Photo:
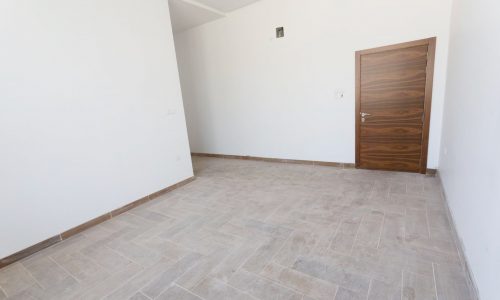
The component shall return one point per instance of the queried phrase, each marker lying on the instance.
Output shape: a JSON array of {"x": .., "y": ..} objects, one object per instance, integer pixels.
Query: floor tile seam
[
  {"x": 220, "y": 245},
  {"x": 64, "y": 269},
  {"x": 381, "y": 231},
  {"x": 402, "y": 283},
  {"x": 122, "y": 256},
  {"x": 32, "y": 276},
  {"x": 240, "y": 239},
  {"x": 433, "y": 278},
  {"x": 79, "y": 251},
  {"x": 281, "y": 248},
  {"x": 273, "y": 213},
  {"x": 369, "y": 288},
  {"x": 250, "y": 256},
  {"x": 231, "y": 252},
  {"x": 332, "y": 236},
  {"x": 435, "y": 281},
  {"x": 137, "y": 238},
  {"x": 404, "y": 224},
  {"x": 356, "y": 236},
  {"x": 199, "y": 260},
  {"x": 251, "y": 231},
  {"x": 156, "y": 212},
  {"x": 141, "y": 271},
  {"x": 278, "y": 283},
  {"x": 4, "y": 292},
  {"x": 427, "y": 220},
  {"x": 323, "y": 281},
  {"x": 349, "y": 290},
  {"x": 123, "y": 284},
  {"x": 189, "y": 249},
  {"x": 188, "y": 290},
  {"x": 237, "y": 289},
  {"x": 145, "y": 269}
]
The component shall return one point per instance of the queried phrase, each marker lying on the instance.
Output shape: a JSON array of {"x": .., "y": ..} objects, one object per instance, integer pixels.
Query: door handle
[{"x": 364, "y": 114}]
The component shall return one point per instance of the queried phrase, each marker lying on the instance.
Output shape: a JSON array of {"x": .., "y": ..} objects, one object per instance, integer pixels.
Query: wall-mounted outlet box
[{"x": 280, "y": 32}]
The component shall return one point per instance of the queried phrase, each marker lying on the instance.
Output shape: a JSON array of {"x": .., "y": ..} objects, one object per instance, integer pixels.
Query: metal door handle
[{"x": 364, "y": 114}]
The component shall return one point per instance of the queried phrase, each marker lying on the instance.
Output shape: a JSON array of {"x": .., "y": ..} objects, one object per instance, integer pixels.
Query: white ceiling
[
  {"x": 226, "y": 5},
  {"x": 186, "y": 14}
]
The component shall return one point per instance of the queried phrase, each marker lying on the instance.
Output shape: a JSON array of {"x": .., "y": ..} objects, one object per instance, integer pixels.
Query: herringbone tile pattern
[{"x": 258, "y": 230}]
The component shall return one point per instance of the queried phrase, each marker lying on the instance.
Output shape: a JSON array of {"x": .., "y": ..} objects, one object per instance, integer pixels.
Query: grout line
[
  {"x": 122, "y": 255},
  {"x": 198, "y": 261},
  {"x": 428, "y": 222},
  {"x": 32, "y": 276},
  {"x": 369, "y": 289},
  {"x": 333, "y": 235},
  {"x": 189, "y": 291},
  {"x": 139, "y": 292},
  {"x": 336, "y": 292},
  {"x": 278, "y": 283},
  {"x": 282, "y": 246},
  {"x": 356, "y": 236},
  {"x": 402, "y": 283},
  {"x": 4, "y": 292},
  {"x": 381, "y": 231},
  {"x": 239, "y": 290},
  {"x": 404, "y": 225},
  {"x": 435, "y": 282},
  {"x": 141, "y": 271},
  {"x": 251, "y": 255},
  {"x": 63, "y": 268},
  {"x": 126, "y": 281},
  {"x": 301, "y": 273}
]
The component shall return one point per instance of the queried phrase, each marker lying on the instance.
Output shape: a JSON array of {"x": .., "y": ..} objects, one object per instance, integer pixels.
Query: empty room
[{"x": 249, "y": 149}]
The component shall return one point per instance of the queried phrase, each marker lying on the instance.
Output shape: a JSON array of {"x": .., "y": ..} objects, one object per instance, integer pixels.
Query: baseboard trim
[
  {"x": 430, "y": 172},
  {"x": 459, "y": 244},
  {"x": 279, "y": 160},
  {"x": 74, "y": 231}
]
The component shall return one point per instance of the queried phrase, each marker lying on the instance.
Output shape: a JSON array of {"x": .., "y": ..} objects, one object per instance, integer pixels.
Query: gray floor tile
[
  {"x": 260, "y": 230},
  {"x": 15, "y": 278},
  {"x": 214, "y": 289},
  {"x": 170, "y": 274}
]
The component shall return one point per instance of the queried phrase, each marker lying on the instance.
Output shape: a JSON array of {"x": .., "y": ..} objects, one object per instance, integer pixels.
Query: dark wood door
[{"x": 393, "y": 103}]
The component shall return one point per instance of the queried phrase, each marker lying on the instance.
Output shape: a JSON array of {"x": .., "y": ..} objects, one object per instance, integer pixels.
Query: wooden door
[{"x": 393, "y": 106}]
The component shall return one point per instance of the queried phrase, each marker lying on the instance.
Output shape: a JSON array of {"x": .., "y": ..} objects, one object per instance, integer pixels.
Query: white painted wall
[
  {"x": 91, "y": 113},
  {"x": 247, "y": 93},
  {"x": 470, "y": 167}
]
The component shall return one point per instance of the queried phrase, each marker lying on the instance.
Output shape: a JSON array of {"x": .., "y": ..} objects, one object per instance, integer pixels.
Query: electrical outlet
[{"x": 280, "y": 32}]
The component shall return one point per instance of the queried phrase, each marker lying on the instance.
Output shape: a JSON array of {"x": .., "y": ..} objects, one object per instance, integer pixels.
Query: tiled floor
[{"x": 258, "y": 230}]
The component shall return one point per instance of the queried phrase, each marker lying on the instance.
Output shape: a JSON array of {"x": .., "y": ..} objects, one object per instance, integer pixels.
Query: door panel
[
  {"x": 392, "y": 92},
  {"x": 387, "y": 132}
]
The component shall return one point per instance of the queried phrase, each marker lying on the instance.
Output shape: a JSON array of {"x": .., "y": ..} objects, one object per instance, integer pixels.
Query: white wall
[
  {"x": 248, "y": 93},
  {"x": 91, "y": 113},
  {"x": 470, "y": 167}
]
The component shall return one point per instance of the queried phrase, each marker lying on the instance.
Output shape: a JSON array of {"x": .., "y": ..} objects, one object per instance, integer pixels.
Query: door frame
[{"x": 431, "y": 53}]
